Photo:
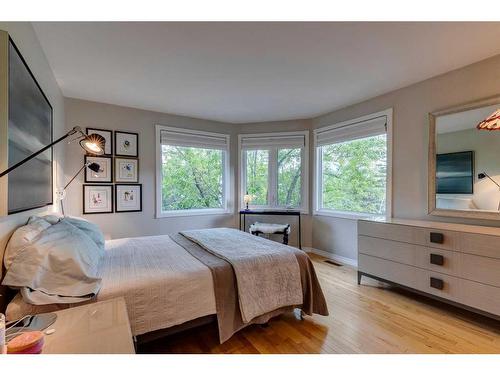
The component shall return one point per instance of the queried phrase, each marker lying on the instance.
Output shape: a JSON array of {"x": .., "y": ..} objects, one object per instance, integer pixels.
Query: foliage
[
  {"x": 289, "y": 177},
  {"x": 192, "y": 178},
  {"x": 257, "y": 175},
  {"x": 354, "y": 175}
]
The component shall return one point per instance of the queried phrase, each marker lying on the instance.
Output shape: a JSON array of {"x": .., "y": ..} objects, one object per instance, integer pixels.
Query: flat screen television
[{"x": 455, "y": 173}]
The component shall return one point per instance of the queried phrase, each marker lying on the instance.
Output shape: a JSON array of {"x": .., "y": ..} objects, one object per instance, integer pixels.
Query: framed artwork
[
  {"x": 126, "y": 144},
  {"x": 97, "y": 199},
  {"x": 105, "y": 173},
  {"x": 108, "y": 136},
  {"x": 128, "y": 198},
  {"x": 126, "y": 170},
  {"x": 28, "y": 128}
]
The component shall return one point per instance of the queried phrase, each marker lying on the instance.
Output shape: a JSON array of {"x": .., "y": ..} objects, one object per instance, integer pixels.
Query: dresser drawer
[
  {"x": 401, "y": 252},
  {"x": 480, "y": 244},
  {"x": 441, "y": 239},
  {"x": 438, "y": 260},
  {"x": 481, "y": 296},
  {"x": 401, "y": 233},
  {"x": 439, "y": 284},
  {"x": 482, "y": 269},
  {"x": 388, "y": 270}
]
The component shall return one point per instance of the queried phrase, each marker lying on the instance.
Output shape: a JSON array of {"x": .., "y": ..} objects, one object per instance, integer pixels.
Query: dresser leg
[{"x": 359, "y": 277}]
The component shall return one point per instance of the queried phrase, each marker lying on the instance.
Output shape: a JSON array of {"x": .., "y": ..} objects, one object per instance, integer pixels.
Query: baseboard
[{"x": 334, "y": 257}]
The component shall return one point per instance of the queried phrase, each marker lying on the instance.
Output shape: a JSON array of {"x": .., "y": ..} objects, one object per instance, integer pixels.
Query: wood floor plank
[{"x": 369, "y": 318}]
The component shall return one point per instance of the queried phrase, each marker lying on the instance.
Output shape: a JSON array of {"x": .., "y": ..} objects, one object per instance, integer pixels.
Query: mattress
[{"x": 163, "y": 285}]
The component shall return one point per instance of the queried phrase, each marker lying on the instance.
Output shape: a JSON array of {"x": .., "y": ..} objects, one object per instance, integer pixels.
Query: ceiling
[{"x": 254, "y": 72}]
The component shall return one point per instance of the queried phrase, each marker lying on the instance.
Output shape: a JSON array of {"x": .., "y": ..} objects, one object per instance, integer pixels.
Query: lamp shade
[
  {"x": 93, "y": 143},
  {"x": 490, "y": 123}
]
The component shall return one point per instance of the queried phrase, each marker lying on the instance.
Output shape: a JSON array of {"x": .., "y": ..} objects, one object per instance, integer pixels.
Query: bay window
[
  {"x": 192, "y": 172},
  {"x": 274, "y": 170},
  {"x": 353, "y": 167}
]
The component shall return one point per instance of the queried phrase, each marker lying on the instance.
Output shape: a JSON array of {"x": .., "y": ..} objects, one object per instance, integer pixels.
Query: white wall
[
  {"x": 117, "y": 225},
  {"x": 112, "y": 117},
  {"x": 411, "y": 106},
  {"x": 410, "y": 127}
]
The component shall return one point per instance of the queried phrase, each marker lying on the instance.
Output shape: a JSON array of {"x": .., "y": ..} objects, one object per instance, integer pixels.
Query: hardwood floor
[{"x": 371, "y": 318}]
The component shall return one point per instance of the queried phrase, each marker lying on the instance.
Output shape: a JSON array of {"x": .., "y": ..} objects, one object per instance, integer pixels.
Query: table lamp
[{"x": 247, "y": 198}]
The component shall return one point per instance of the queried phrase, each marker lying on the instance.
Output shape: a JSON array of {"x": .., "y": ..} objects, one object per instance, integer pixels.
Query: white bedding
[{"x": 163, "y": 285}]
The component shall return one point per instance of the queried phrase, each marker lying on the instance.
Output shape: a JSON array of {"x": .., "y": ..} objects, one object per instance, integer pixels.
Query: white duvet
[{"x": 163, "y": 285}]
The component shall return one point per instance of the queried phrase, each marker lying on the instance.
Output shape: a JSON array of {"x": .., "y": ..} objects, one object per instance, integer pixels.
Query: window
[
  {"x": 353, "y": 168},
  {"x": 192, "y": 170},
  {"x": 274, "y": 169}
]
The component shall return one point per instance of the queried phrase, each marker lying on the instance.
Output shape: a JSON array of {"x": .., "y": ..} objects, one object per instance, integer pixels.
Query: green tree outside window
[{"x": 354, "y": 175}]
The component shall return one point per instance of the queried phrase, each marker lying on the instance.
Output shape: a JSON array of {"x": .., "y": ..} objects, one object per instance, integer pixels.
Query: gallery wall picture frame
[
  {"x": 108, "y": 136},
  {"x": 105, "y": 174},
  {"x": 128, "y": 197},
  {"x": 126, "y": 144},
  {"x": 97, "y": 199},
  {"x": 126, "y": 170}
]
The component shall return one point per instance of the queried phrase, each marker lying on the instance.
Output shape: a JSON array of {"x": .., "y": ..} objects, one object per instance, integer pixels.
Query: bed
[{"x": 170, "y": 280}]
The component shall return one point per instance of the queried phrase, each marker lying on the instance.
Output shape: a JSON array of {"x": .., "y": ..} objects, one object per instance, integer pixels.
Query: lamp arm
[
  {"x": 76, "y": 174},
  {"x": 75, "y": 130},
  {"x": 492, "y": 179}
]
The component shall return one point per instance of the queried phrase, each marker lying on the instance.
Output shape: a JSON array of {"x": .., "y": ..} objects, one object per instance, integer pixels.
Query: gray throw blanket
[
  {"x": 226, "y": 294},
  {"x": 267, "y": 273}
]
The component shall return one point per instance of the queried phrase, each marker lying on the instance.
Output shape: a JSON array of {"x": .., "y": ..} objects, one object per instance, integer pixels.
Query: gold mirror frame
[{"x": 432, "y": 210}]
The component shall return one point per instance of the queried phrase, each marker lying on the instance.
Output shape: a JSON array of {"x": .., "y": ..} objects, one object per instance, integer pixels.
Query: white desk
[{"x": 97, "y": 328}]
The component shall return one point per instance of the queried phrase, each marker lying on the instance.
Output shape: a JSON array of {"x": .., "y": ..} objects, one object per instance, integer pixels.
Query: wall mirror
[{"x": 464, "y": 161}]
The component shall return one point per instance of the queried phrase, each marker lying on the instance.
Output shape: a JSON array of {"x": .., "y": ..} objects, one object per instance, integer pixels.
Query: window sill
[
  {"x": 303, "y": 211},
  {"x": 201, "y": 212},
  {"x": 347, "y": 215}
]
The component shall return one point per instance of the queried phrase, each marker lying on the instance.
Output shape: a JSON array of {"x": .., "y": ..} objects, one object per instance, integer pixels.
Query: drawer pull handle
[
  {"x": 437, "y": 259},
  {"x": 437, "y": 283},
  {"x": 437, "y": 237}
]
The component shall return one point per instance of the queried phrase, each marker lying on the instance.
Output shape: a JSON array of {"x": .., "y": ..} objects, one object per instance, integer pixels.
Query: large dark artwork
[
  {"x": 30, "y": 129},
  {"x": 455, "y": 173}
]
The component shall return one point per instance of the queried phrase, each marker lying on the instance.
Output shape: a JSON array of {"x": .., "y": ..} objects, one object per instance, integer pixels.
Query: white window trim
[
  {"x": 317, "y": 170},
  {"x": 228, "y": 205},
  {"x": 304, "y": 209}
]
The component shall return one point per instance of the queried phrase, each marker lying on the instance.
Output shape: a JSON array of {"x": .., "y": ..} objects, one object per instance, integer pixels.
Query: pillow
[
  {"x": 90, "y": 229},
  {"x": 53, "y": 219},
  {"x": 22, "y": 237},
  {"x": 59, "y": 265}
]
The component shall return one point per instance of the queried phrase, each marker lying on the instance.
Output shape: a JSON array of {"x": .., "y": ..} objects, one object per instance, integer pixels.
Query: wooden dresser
[{"x": 453, "y": 262}]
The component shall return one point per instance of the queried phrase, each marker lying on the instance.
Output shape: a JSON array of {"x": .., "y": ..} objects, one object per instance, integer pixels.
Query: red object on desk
[{"x": 26, "y": 343}]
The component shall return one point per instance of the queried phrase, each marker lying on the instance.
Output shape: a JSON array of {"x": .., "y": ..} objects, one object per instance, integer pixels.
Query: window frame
[
  {"x": 226, "y": 176},
  {"x": 273, "y": 177},
  {"x": 318, "y": 180}
]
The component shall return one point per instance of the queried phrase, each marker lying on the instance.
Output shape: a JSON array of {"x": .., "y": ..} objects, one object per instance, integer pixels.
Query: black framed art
[
  {"x": 126, "y": 144},
  {"x": 105, "y": 173},
  {"x": 108, "y": 137},
  {"x": 126, "y": 170},
  {"x": 97, "y": 199},
  {"x": 30, "y": 127},
  {"x": 128, "y": 197}
]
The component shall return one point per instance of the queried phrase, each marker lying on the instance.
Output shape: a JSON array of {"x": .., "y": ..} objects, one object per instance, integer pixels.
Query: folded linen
[{"x": 267, "y": 273}]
